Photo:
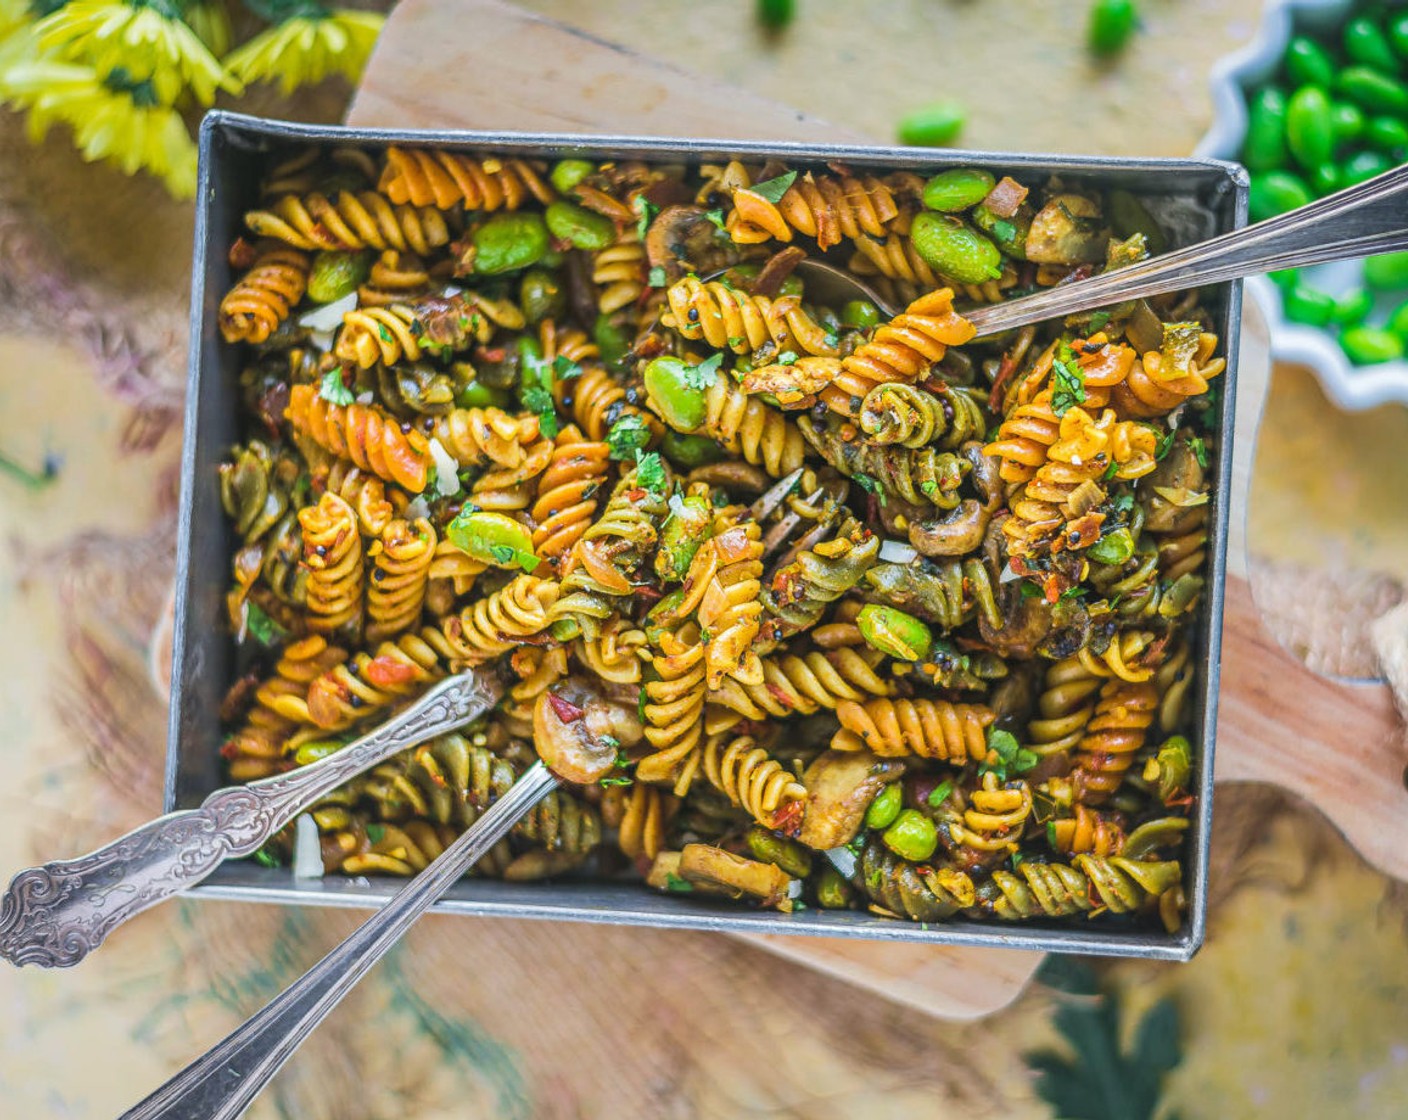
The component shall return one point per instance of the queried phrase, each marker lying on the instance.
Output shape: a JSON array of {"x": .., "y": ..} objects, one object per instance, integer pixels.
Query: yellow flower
[
  {"x": 211, "y": 23},
  {"x": 113, "y": 118},
  {"x": 144, "y": 38},
  {"x": 307, "y": 48}
]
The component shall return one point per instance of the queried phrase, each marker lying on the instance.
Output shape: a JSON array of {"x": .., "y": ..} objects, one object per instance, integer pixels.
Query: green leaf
[
  {"x": 868, "y": 484},
  {"x": 615, "y": 781},
  {"x": 1025, "y": 760},
  {"x": 265, "y": 858},
  {"x": 537, "y": 399},
  {"x": 656, "y": 277},
  {"x": 1164, "y": 444},
  {"x": 647, "y": 211},
  {"x": 677, "y": 885},
  {"x": 703, "y": 375},
  {"x": 1099, "y": 321},
  {"x": 650, "y": 471},
  {"x": 1068, "y": 381},
  {"x": 940, "y": 793},
  {"x": 334, "y": 389},
  {"x": 265, "y": 630},
  {"x": 376, "y": 833},
  {"x": 774, "y": 189},
  {"x": 715, "y": 216},
  {"x": 1199, "y": 449},
  {"x": 1003, "y": 743},
  {"x": 564, "y": 368},
  {"x": 787, "y": 358},
  {"x": 627, "y": 436},
  {"x": 1004, "y": 230}
]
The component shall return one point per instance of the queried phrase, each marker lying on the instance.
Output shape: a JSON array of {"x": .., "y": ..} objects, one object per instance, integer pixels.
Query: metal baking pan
[{"x": 1193, "y": 198}]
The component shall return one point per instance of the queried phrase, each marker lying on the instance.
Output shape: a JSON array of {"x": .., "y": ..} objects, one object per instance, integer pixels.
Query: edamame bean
[
  {"x": 1398, "y": 34},
  {"x": 1310, "y": 135},
  {"x": 1348, "y": 121},
  {"x": 933, "y": 126},
  {"x": 955, "y": 249},
  {"x": 912, "y": 836},
  {"x": 1352, "y": 308},
  {"x": 582, "y": 228},
  {"x": 886, "y": 807},
  {"x": 610, "y": 339},
  {"x": 1398, "y": 321},
  {"x": 1113, "y": 548},
  {"x": 688, "y": 451},
  {"x": 317, "y": 750},
  {"x": 507, "y": 242},
  {"x": 1363, "y": 165},
  {"x": 1387, "y": 272},
  {"x": 1372, "y": 90},
  {"x": 1306, "y": 305},
  {"x": 895, "y": 633},
  {"x": 337, "y": 273},
  {"x": 680, "y": 404},
  {"x": 1265, "y": 146},
  {"x": 776, "y": 14},
  {"x": 1308, "y": 63},
  {"x": 568, "y": 173},
  {"x": 769, "y": 847},
  {"x": 476, "y": 394},
  {"x": 1388, "y": 134},
  {"x": 1367, "y": 346},
  {"x": 688, "y": 525},
  {"x": 1325, "y": 179},
  {"x": 1110, "y": 25},
  {"x": 541, "y": 295},
  {"x": 1272, "y": 193},
  {"x": 1365, "y": 43},
  {"x": 832, "y": 890},
  {"x": 860, "y": 314},
  {"x": 1285, "y": 277},
  {"x": 493, "y": 538},
  {"x": 957, "y": 189}
]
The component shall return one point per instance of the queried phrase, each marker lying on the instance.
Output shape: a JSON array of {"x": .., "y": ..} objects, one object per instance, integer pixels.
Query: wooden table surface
[{"x": 522, "y": 1019}]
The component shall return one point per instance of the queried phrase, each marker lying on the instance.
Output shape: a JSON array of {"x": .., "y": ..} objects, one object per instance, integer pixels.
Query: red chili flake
[
  {"x": 241, "y": 254},
  {"x": 384, "y": 671},
  {"x": 788, "y": 819},
  {"x": 567, "y": 711},
  {"x": 1180, "y": 802},
  {"x": 635, "y": 494},
  {"x": 229, "y": 750},
  {"x": 497, "y": 354}
]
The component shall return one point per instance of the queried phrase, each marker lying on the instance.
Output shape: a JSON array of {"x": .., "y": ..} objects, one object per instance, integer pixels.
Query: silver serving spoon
[{"x": 1369, "y": 218}]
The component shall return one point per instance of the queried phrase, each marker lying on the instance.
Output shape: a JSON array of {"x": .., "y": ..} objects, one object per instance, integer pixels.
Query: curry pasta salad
[{"x": 515, "y": 414}]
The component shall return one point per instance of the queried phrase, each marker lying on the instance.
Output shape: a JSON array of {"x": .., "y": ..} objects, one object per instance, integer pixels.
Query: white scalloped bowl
[{"x": 1350, "y": 386}]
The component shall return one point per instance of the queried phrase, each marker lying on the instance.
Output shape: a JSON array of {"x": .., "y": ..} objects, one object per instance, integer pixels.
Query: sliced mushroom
[
  {"x": 840, "y": 787},
  {"x": 1179, "y": 472},
  {"x": 1068, "y": 230},
  {"x": 577, "y": 732},
  {"x": 738, "y": 877},
  {"x": 682, "y": 239},
  {"x": 1026, "y": 621}
]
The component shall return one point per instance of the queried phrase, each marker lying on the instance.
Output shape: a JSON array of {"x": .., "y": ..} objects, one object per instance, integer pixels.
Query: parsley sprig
[{"x": 1068, "y": 381}]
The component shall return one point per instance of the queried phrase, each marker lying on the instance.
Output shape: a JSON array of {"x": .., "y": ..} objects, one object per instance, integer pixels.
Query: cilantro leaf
[
  {"x": 537, "y": 399},
  {"x": 940, "y": 793},
  {"x": 627, "y": 436},
  {"x": 565, "y": 369},
  {"x": 1004, "y": 230},
  {"x": 265, "y": 630},
  {"x": 773, "y": 189},
  {"x": 647, "y": 211},
  {"x": 502, "y": 553},
  {"x": 265, "y": 858},
  {"x": 650, "y": 471},
  {"x": 1099, "y": 321},
  {"x": 786, "y": 358},
  {"x": 376, "y": 833},
  {"x": 1164, "y": 445},
  {"x": 1068, "y": 382},
  {"x": 715, "y": 216},
  {"x": 334, "y": 389},
  {"x": 609, "y": 781},
  {"x": 656, "y": 277},
  {"x": 704, "y": 374},
  {"x": 676, "y": 885},
  {"x": 1199, "y": 449},
  {"x": 868, "y": 484}
]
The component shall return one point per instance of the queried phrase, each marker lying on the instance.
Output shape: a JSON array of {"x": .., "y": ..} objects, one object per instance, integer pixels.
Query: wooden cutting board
[{"x": 1278, "y": 721}]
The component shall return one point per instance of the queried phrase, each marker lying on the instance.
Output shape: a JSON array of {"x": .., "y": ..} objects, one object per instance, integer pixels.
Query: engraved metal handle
[
  {"x": 221, "y": 1083},
  {"x": 1368, "y": 218},
  {"x": 55, "y": 915}
]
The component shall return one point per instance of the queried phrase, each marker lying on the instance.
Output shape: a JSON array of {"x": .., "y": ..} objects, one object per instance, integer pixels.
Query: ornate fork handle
[{"x": 57, "y": 914}]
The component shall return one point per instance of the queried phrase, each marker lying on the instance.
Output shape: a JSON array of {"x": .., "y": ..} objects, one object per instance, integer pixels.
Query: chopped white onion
[
  {"x": 366, "y": 398},
  {"x": 843, "y": 860},
  {"x": 897, "y": 552},
  {"x": 417, "y": 508},
  {"x": 453, "y": 290},
  {"x": 321, "y": 340},
  {"x": 447, "y": 479},
  {"x": 794, "y": 889},
  {"x": 307, "y": 850},
  {"x": 329, "y": 316}
]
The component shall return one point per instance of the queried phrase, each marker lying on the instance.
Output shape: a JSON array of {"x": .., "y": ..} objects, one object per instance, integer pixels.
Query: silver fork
[
  {"x": 221, "y": 1083},
  {"x": 1359, "y": 221}
]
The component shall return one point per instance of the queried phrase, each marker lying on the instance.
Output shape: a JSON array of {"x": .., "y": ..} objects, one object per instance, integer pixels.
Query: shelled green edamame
[{"x": 1335, "y": 115}]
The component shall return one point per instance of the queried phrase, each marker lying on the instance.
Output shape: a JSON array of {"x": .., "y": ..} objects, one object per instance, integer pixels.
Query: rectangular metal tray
[{"x": 1193, "y": 198}]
